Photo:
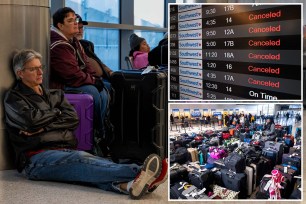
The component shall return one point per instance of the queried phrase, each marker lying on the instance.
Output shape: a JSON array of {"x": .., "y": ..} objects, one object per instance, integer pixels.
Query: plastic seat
[{"x": 129, "y": 62}]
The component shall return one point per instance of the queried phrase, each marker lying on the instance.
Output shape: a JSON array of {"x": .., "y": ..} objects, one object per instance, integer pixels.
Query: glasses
[
  {"x": 73, "y": 20},
  {"x": 32, "y": 69}
]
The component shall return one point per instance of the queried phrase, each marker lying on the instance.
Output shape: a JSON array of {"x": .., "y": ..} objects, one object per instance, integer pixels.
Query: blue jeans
[
  {"x": 79, "y": 166},
  {"x": 101, "y": 101},
  {"x": 107, "y": 85}
]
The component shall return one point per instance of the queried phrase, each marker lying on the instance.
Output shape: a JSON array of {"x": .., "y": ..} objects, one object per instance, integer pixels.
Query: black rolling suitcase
[
  {"x": 201, "y": 178},
  {"x": 235, "y": 181},
  {"x": 139, "y": 114}
]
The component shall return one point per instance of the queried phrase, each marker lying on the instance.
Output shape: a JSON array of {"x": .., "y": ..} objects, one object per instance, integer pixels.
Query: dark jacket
[
  {"x": 155, "y": 55},
  {"x": 68, "y": 62},
  {"x": 26, "y": 110},
  {"x": 90, "y": 52}
]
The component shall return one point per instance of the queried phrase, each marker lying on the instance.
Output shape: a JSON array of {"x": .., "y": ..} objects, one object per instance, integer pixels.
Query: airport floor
[{"x": 15, "y": 189}]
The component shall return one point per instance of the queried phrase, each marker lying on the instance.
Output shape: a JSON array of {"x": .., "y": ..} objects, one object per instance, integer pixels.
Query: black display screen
[{"x": 235, "y": 51}]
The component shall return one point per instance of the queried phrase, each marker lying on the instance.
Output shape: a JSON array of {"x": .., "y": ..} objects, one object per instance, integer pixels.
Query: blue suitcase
[
  {"x": 270, "y": 154},
  {"x": 278, "y": 147},
  {"x": 84, "y": 105},
  {"x": 292, "y": 160}
]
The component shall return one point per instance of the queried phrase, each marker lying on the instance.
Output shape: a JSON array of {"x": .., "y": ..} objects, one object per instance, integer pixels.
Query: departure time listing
[{"x": 232, "y": 51}]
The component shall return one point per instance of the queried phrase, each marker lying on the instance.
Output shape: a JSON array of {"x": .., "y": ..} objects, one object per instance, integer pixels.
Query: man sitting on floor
[{"x": 41, "y": 122}]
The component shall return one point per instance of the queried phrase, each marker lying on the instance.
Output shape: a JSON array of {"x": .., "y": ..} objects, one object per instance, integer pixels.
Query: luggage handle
[
  {"x": 74, "y": 91},
  {"x": 272, "y": 148},
  {"x": 293, "y": 155},
  {"x": 231, "y": 173},
  {"x": 175, "y": 166}
]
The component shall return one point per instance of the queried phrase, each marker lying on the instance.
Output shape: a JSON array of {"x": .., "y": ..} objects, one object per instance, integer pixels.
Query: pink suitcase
[{"x": 84, "y": 105}]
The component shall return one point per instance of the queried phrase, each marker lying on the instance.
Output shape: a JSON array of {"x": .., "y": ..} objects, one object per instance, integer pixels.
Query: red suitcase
[{"x": 84, "y": 105}]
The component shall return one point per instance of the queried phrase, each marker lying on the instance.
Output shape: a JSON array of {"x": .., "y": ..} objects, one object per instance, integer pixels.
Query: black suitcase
[
  {"x": 270, "y": 154},
  {"x": 264, "y": 166},
  {"x": 289, "y": 173},
  {"x": 292, "y": 160},
  {"x": 182, "y": 143},
  {"x": 178, "y": 173},
  {"x": 235, "y": 162},
  {"x": 235, "y": 181},
  {"x": 180, "y": 155},
  {"x": 217, "y": 177},
  {"x": 263, "y": 192},
  {"x": 177, "y": 189},
  {"x": 296, "y": 194},
  {"x": 139, "y": 114},
  {"x": 276, "y": 146},
  {"x": 201, "y": 178}
]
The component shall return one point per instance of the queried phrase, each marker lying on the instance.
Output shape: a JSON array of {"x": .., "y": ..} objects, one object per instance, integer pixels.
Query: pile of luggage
[{"x": 235, "y": 163}]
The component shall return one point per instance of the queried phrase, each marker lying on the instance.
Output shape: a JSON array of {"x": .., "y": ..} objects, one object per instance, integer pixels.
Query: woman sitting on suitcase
[
  {"x": 269, "y": 128},
  {"x": 139, "y": 51},
  {"x": 41, "y": 122}
]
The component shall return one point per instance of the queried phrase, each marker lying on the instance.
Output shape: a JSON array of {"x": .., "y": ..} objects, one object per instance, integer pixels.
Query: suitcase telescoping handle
[
  {"x": 231, "y": 173},
  {"x": 272, "y": 143}
]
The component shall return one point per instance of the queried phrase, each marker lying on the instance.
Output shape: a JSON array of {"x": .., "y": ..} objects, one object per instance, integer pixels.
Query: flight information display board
[{"x": 235, "y": 51}]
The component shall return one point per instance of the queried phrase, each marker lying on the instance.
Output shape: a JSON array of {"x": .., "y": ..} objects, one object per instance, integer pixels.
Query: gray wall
[{"x": 24, "y": 24}]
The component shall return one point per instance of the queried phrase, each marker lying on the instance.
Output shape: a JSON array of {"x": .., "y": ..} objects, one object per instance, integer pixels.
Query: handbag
[
  {"x": 217, "y": 153},
  {"x": 224, "y": 193}
]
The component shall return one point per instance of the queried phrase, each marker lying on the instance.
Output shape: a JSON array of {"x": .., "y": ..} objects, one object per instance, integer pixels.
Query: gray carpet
[{"x": 15, "y": 188}]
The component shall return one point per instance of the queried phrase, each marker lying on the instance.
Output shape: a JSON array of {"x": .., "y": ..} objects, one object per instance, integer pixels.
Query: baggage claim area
[
  {"x": 225, "y": 150},
  {"x": 230, "y": 151}
]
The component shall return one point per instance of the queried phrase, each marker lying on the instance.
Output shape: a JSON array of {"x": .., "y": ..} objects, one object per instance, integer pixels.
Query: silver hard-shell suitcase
[{"x": 250, "y": 176}]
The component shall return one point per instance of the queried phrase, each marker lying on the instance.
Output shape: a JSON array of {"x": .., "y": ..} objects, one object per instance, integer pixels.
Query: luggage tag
[
  {"x": 197, "y": 195},
  {"x": 188, "y": 191},
  {"x": 194, "y": 164},
  {"x": 214, "y": 169},
  {"x": 202, "y": 170},
  {"x": 183, "y": 185},
  {"x": 189, "y": 168},
  {"x": 174, "y": 166},
  {"x": 231, "y": 173},
  {"x": 148, "y": 69},
  {"x": 172, "y": 138},
  {"x": 268, "y": 185}
]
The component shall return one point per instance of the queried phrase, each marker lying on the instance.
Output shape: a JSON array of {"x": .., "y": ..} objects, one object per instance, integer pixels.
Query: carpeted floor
[{"x": 15, "y": 188}]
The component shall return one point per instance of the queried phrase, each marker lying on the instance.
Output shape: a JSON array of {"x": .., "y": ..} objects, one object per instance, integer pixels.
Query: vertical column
[
  {"x": 189, "y": 53},
  {"x": 174, "y": 69}
]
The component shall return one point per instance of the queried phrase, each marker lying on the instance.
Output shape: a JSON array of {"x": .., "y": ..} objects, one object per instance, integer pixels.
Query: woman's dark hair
[
  {"x": 137, "y": 48},
  {"x": 271, "y": 120},
  {"x": 60, "y": 15}
]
